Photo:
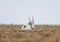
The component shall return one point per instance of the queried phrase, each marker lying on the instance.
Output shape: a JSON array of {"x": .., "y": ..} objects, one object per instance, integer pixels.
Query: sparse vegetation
[{"x": 42, "y": 33}]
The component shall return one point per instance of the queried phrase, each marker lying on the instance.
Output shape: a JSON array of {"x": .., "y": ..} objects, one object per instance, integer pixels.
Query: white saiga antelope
[{"x": 30, "y": 25}]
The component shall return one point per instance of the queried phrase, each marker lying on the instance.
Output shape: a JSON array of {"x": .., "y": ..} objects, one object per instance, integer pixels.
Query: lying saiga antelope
[{"x": 30, "y": 25}]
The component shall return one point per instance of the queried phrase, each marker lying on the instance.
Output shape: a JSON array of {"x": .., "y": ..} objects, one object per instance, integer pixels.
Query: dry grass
[{"x": 42, "y": 33}]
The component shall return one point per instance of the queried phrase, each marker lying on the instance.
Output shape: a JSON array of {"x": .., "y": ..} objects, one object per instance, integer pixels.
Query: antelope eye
[{"x": 24, "y": 26}]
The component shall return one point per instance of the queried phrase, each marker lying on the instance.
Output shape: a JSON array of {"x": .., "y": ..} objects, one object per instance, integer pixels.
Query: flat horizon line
[{"x": 24, "y": 24}]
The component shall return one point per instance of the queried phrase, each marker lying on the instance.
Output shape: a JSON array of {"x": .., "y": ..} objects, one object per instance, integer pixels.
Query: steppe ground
[{"x": 41, "y": 33}]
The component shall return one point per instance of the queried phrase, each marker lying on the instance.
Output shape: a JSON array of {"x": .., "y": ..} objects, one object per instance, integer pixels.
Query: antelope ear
[
  {"x": 32, "y": 19},
  {"x": 29, "y": 19},
  {"x": 32, "y": 16}
]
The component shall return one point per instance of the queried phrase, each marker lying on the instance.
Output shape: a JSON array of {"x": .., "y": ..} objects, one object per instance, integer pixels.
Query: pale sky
[{"x": 19, "y": 11}]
